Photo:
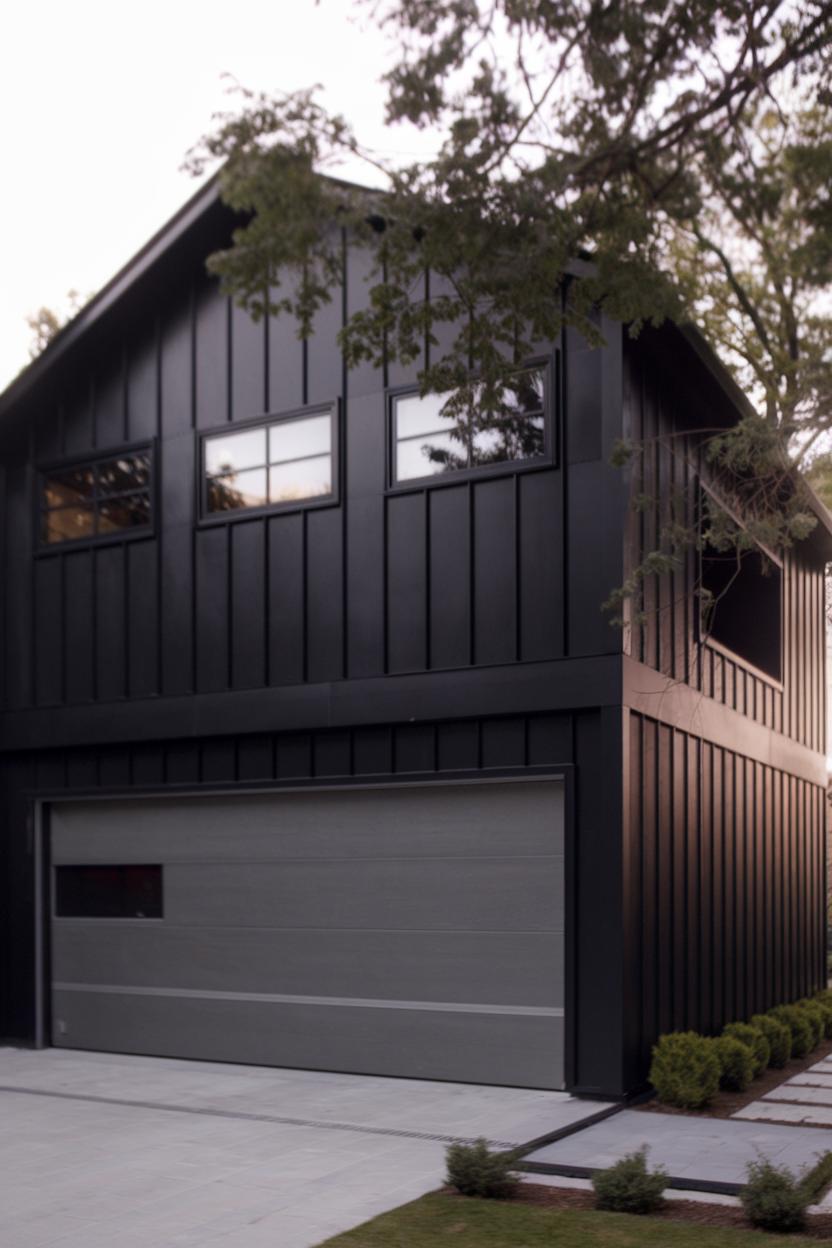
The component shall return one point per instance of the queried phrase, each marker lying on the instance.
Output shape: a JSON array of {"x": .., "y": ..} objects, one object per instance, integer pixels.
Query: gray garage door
[{"x": 412, "y": 931}]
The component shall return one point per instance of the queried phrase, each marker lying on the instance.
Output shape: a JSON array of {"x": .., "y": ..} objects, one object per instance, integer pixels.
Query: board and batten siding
[
  {"x": 657, "y": 414},
  {"x": 725, "y": 881},
  {"x": 507, "y": 568}
]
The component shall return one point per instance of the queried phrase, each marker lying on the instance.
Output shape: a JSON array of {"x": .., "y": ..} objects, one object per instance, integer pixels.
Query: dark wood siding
[
  {"x": 727, "y": 871},
  {"x": 657, "y": 418}
]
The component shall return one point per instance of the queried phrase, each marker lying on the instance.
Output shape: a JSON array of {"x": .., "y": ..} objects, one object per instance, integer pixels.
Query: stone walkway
[
  {"x": 709, "y": 1150},
  {"x": 805, "y": 1098}
]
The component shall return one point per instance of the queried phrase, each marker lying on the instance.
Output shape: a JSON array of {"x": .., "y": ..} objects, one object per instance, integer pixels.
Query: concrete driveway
[{"x": 108, "y": 1151}]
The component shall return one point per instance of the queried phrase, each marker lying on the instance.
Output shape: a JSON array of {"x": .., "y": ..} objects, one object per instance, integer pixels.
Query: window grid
[
  {"x": 270, "y": 463},
  {"x": 96, "y": 502},
  {"x": 537, "y": 428}
]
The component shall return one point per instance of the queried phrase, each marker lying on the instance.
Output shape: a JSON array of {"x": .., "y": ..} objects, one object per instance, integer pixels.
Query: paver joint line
[
  {"x": 249, "y": 1117},
  {"x": 572, "y": 1128},
  {"x": 675, "y": 1181}
]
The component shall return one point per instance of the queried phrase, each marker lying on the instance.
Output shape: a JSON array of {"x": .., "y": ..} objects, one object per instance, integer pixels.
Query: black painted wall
[{"x": 501, "y": 570}]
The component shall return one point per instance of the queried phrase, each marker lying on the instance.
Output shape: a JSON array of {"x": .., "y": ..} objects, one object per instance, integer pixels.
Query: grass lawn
[{"x": 467, "y": 1223}]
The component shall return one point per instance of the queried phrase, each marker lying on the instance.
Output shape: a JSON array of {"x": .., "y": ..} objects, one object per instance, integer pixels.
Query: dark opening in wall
[{"x": 741, "y": 605}]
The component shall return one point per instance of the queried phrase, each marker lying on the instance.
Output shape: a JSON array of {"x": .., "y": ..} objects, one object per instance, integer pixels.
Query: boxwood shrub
[
  {"x": 799, "y": 1027},
  {"x": 629, "y": 1187},
  {"x": 774, "y": 1199},
  {"x": 824, "y": 1001},
  {"x": 817, "y": 1020},
  {"x": 474, "y": 1170},
  {"x": 736, "y": 1062},
  {"x": 685, "y": 1070},
  {"x": 753, "y": 1039},
  {"x": 779, "y": 1038}
]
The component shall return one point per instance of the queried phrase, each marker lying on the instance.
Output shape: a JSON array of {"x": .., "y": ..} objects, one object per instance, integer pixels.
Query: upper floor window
[
  {"x": 283, "y": 462},
  {"x": 109, "y": 496},
  {"x": 741, "y": 599},
  {"x": 450, "y": 433}
]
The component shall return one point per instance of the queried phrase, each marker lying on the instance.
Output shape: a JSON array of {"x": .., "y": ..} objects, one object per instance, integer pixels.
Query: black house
[{"x": 316, "y": 753}]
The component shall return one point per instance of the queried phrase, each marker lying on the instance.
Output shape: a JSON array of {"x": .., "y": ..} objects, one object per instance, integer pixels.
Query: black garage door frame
[{"x": 39, "y": 827}]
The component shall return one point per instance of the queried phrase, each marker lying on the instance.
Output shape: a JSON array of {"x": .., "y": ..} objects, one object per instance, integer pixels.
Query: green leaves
[{"x": 683, "y": 148}]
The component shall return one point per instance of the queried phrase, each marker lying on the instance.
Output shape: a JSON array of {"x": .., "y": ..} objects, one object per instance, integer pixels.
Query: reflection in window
[
  {"x": 472, "y": 428},
  {"x": 286, "y": 461},
  {"x": 105, "y": 496}
]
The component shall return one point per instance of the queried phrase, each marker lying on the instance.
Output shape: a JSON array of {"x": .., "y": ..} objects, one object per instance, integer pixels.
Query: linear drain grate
[{"x": 242, "y": 1115}]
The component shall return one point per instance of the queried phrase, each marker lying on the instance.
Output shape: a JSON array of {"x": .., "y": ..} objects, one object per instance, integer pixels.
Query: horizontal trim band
[
  {"x": 502, "y": 689},
  {"x": 680, "y": 706},
  {"x": 280, "y": 998}
]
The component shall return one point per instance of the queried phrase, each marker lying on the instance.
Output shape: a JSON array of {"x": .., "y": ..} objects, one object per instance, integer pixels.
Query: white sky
[{"x": 100, "y": 102}]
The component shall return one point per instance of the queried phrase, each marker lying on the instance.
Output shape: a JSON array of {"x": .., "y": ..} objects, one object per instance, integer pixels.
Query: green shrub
[
  {"x": 815, "y": 1182},
  {"x": 629, "y": 1187},
  {"x": 736, "y": 1063},
  {"x": 824, "y": 1001},
  {"x": 816, "y": 1017},
  {"x": 779, "y": 1038},
  {"x": 799, "y": 1027},
  {"x": 774, "y": 1199},
  {"x": 685, "y": 1070},
  {"x": 474, "y": 1170},
  {"x": 753, "y": 1039}
]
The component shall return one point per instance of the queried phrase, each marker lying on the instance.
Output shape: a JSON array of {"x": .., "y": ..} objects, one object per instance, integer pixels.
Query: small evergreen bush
[
  {"x": 824, "y": 1002},
  {"x": 753, "y": 1039},
  {"x": 685, "y": 1070},
  {"x": 799, "y": 1027},
  {"x": 774, "y": 1199},
  {"x": 629, "y": 1187},
  {"x": 816, "y": 1181},
  {"x": 736, "y": 1062},
  {"x": 817, "y": 1020},
  {"x": 779, "y": 1038},
  {"x": 474, "y": 1170}
]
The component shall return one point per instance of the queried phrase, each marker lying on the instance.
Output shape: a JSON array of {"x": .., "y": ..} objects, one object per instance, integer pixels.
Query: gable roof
[{"x": 185, "y": 221}]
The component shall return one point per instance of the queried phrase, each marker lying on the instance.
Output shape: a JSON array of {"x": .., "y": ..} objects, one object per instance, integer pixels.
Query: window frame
[
  {"x": 90, "y": 459},
  {"x": 206, "y": 518},
  {"x": 701, "y": 636},
  {"x": 549, "y": 366}
]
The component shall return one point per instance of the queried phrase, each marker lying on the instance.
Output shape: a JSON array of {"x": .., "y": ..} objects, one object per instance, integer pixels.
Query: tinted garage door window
[{"x": 412, "y": 931}]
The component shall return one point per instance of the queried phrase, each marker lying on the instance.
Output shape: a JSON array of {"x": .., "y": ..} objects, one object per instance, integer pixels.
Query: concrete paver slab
[
  {"x": 108, "y": 1151},
  {"x": 779, "y": 1111},
  {"x": 712, "y": 1150},
  {"x": 802, "y": 1093}
]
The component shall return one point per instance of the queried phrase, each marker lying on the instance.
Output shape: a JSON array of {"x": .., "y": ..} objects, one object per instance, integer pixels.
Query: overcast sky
[{"x": 99, "y": 103}]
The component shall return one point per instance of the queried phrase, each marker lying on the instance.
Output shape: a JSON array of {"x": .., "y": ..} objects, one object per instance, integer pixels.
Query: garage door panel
[
  {"x": 396, "y": 894},
  {"x": 442, "y": 820},
  {"x": 516, "y": 969},
  {"x": 522, "y": 1051},
  {"x": 412, "y": 930}
]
